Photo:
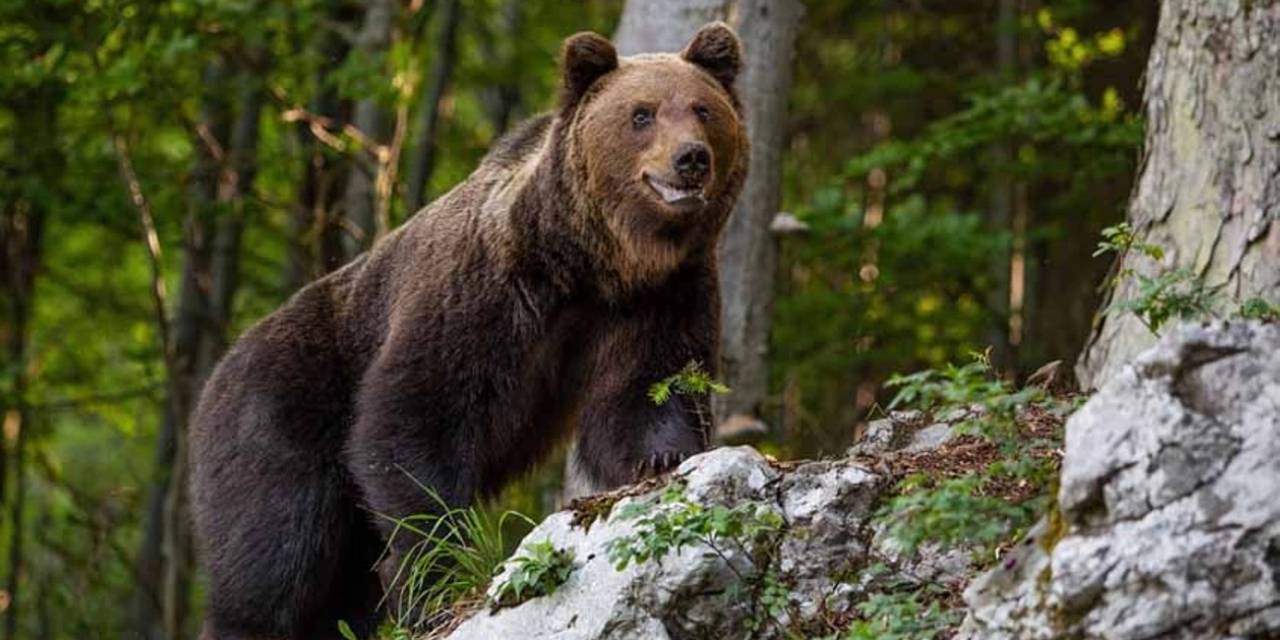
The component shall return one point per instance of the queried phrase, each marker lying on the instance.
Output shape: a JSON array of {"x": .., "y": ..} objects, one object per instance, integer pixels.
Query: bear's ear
[
  {"x": 584, "y": 58},
  {"x": 718, "y": 51}
]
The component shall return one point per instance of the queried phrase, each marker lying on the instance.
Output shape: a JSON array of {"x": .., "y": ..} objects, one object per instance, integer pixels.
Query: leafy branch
[{"x": 691, "y": 380}]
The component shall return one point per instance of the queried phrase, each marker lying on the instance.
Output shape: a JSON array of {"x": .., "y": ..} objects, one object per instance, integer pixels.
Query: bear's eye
[
  {"x": 642, "y": 117},
  {"x": 703, "y": 113}
]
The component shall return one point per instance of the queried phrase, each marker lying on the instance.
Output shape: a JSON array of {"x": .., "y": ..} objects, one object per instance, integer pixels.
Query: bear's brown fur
[{"x": 572, "y": 270}]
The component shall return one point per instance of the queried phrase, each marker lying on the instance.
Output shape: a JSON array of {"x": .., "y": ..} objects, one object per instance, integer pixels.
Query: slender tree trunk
[
  {"x": 423, "y": 162},
  {"x": 748, "y": 250},
  {"x": 242, "y": 171},
  {"x": 370, "y": 117},
  {"x": 234, "y": 187},
  {"x": 223, "y": 177},
  {"x": 315, "y": 232},
  {"x": 23, "y": 229},
  {"x": 151, "y": 241},
  {"x": 44, "y": 617},
  {"x": 502, "y": 100},
  {"x": 148, "y": 610},
  {"x": 1207, "y": 188},
  {"x": 1000, "y": 213}
]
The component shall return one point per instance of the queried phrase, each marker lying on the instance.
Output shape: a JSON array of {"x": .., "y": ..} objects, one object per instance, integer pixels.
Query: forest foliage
[{"x": 954, "y": 168}]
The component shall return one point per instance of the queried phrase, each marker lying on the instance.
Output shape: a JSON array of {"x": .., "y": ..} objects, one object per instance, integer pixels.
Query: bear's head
[{"x": 657, "y": 147}]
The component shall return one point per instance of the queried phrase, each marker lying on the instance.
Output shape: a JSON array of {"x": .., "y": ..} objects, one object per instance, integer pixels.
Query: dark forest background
[{"x": 172, "y": 170}]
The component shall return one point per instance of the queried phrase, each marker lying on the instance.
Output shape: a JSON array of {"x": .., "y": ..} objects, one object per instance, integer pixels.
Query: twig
[
  {"x": 389, "y": 163},
  {"x": 113, "y": 396},
  {"x": 150, "y": 238},
  {"x": 210, "y": 141},
  {"x": 321, "y": 126}
]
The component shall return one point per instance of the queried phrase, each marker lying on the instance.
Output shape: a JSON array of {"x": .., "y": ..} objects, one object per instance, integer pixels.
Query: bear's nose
[{"x": 692, "y": 161}]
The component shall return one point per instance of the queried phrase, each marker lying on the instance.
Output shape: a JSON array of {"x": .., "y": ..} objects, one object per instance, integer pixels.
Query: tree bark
[
  {"x": 423, "y": 164},
  {"x": 371, "y": 118},
  {"x": 1207, "y": 189},
  {"x": 747, "y": 251}
]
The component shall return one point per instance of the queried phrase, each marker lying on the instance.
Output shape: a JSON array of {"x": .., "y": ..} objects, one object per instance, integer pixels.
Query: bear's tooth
[{"x": 671, "y": 194}]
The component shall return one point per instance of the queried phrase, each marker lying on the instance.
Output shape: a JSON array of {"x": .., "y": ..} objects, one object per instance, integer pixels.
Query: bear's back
[{"x": 520, "y": 143}]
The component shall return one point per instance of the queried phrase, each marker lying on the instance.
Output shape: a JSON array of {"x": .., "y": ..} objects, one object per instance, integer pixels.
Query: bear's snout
[{"x": 692, "y": 162}]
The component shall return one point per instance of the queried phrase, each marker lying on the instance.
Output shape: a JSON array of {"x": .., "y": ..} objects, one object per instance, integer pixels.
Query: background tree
[
  {"x": 423, "y": 160},
  {"x": 22, "y": 222},
  {"x": 1207, "y": 194},
  {"x": 372, "y": 121}
]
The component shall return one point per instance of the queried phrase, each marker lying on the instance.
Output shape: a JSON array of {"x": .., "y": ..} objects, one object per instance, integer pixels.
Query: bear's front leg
[{"x": 623, "y": 434}]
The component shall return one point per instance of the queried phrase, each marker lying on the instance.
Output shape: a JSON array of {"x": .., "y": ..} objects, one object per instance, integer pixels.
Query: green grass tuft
[{"x": 454, "y": 558}]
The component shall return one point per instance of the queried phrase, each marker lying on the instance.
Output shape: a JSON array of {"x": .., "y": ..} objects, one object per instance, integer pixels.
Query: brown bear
[{"x": 544, "y": 295}]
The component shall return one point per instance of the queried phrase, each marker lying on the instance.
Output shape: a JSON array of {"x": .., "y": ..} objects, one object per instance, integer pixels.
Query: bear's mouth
[{"x": 674, "y": 195}]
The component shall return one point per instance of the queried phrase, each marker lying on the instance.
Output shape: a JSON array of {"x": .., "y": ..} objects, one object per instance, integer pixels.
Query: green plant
[
  {"x": 538, "y": 571},
  {"x": 1119, "y": 239},
  {"x": 455, "y": 556},
  {"x": 951, "y": 386},
  {"x": 691, "y": 380},
  {"x": 897, "y": 608},
  {"x": 346, "y": 631},
  {"x": 901, "y": 615},
  {"x": 394, "y": 632},
  {"x": 772, "y": 602},
  {"x": 671, "y": 522},
  {"x": 1258, "y": 309},
  {"x": 1177, "y": 294},
  {"x": 950, "y": 512},
  {"x": 956, "y": 509}
]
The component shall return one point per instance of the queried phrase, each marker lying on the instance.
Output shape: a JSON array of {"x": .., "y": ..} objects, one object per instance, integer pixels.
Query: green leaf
[{"x": 345, "y": 630}]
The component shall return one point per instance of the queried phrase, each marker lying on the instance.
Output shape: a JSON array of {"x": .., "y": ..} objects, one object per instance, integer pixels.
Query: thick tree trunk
[
  {"x": 371, "y": 118},
  {"x": 748, "y": 250},
  {"x": 423, "y": 163},
  {"x": 1208, "y": 188}
]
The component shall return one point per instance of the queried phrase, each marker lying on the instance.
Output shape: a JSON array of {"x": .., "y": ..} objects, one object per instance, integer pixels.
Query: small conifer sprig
[{"x": 691, "y": 380}]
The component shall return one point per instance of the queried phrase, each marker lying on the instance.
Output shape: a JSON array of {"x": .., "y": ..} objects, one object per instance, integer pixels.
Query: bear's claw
[{"x": 659, "y": 463}]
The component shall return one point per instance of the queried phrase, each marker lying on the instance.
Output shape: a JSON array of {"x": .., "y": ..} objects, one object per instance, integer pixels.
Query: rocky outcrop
[
  {"x": 697, "y": 592},
  {"x": 1166, "y": 524},
  {"x": 1168, "y": 515},
  {"x": 828, "y": 537}
]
